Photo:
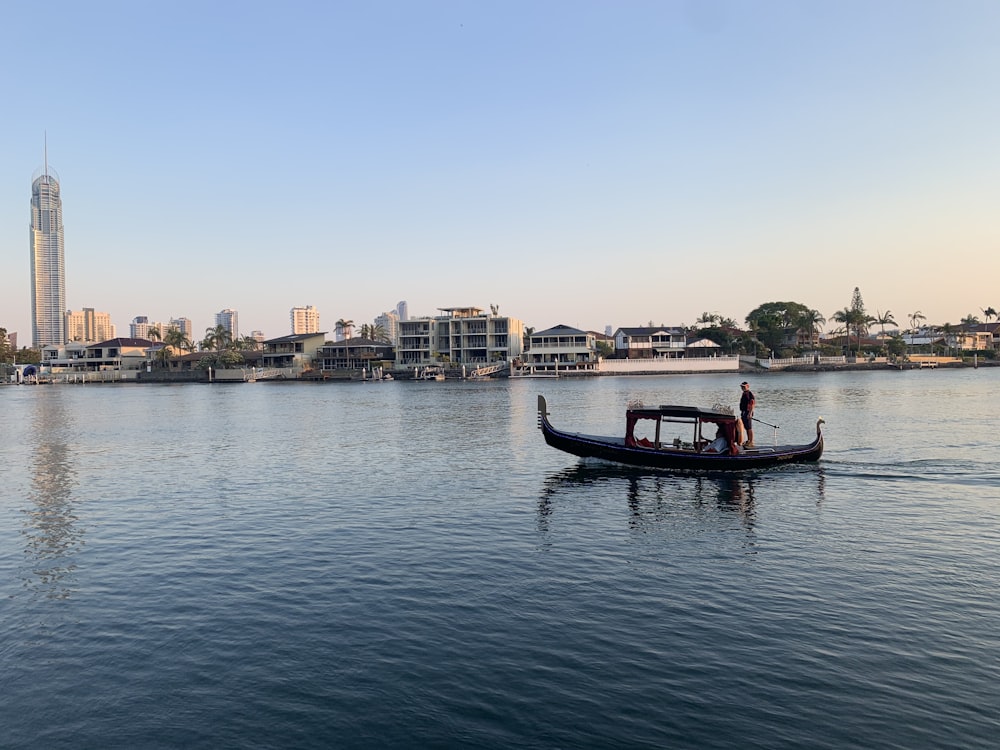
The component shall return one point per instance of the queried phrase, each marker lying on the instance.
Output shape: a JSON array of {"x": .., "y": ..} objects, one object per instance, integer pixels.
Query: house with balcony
[
  {"x": 976, "y": 338},
  {"x": 114, "y": 354},
  {"x": 294, "y": 354},
  {"x": 559, "y": 350},
  {"x": 646, "y": 342},
  {"x": 354, "y": 355},
  {"x": 460, "y": 336}
]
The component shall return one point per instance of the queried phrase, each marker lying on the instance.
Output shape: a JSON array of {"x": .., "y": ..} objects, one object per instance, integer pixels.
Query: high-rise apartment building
[
  {"x": 305, "y": 320},
  {"x": 139, "y": 327},
  {"x": 402, "y": 311},
  {"x": 229, "y": 319},
  {"x": 48, "y": 266},
  {"x": 89, "y": 326},
  {"x": 390, "y": 324},
  {"x": 181, "y": 324}
]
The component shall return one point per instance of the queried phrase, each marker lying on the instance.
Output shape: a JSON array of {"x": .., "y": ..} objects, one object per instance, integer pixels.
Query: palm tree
[
  {"x": 969, "y": 321},
  {"x": 884, "y": 319},
  {"x": 344, "y": 327},
  {"x": 153, "y": 334},
  {"x": 708, "y": 319},
  {"x": 378, "y": 333},
  {"x": 217, "y": 337},
  {"x": 162, "y": 355},
  {"x": 916, "y": 318},
  {"x": 175, "y": 339},
  {"x": 848, "y": 318},
  {"x": 988, "y": 313},
  {"x": 811, "y": 321},
  {"x": 246, "y": 343}
]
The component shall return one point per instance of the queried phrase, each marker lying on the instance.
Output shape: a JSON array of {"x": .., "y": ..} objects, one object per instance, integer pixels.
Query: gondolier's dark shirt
[{"x": 747, "y": 402}]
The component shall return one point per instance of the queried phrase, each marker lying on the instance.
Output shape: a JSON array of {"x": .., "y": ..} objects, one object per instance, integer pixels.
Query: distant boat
[
  {"x": 679, "y": 453},
  {"x": 431, "y": 372}
]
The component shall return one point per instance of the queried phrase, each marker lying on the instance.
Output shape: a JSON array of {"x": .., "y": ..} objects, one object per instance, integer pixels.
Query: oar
[{"x": 767, "y": 423}]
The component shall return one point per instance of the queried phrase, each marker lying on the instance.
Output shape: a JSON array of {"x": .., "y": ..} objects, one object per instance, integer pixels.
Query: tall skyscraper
[
  {"x": 229, "y": 319},
  {"x": 48, "y": 266},
  {"x": 401, "y": 310}
]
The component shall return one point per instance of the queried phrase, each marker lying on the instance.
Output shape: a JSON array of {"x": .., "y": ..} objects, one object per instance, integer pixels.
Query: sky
[{"x": 573, "y": 162}]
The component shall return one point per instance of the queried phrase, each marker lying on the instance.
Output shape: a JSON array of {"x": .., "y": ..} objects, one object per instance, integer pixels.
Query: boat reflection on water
[{"x": 657, "y": 498}]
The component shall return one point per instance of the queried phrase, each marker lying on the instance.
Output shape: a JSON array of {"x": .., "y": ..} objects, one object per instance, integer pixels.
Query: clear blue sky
[{"x": 586, "y": 163}]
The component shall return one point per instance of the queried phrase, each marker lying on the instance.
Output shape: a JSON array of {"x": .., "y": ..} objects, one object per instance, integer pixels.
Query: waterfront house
[
  {"x": 355, "y": 354},
  {"x": 114, "y": 354},
  {"x": 294, "y": 354},
  {"x": 702, "y": 347},
  {"x": 976, "y": 338},
  {"x": 645, "y": 342},
  {"x": 560, "y": 349}
]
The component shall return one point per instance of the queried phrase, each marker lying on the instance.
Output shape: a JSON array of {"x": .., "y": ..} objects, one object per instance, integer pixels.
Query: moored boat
[
  {"x": 431, "y": 372},
  {"x": 661, "y": 451}
]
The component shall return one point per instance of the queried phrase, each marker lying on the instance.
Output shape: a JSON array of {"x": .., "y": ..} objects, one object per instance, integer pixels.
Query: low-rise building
[
  {"x": 355, "y": 354},
  {"x": 558, "y": 350},
  {"x": 644, "y": 342},
  {"x": 113, "y": 354},
  {"x": 296, "y": 352}
]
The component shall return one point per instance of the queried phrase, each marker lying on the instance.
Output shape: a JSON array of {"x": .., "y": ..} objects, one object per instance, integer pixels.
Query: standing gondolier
[{"x": 747, "y": 403}]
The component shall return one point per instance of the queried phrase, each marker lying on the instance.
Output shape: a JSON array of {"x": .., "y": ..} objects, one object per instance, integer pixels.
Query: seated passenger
[{"x": 720, "y": 444}]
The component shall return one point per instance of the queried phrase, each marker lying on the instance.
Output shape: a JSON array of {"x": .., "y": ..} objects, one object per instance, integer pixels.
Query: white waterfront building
[{"x": 462, "y": 336}]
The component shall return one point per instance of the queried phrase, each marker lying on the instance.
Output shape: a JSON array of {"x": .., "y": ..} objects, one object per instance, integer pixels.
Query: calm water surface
[{"x": 408, "y": 565}]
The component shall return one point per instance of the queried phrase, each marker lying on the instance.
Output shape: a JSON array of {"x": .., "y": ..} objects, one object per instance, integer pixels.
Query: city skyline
[{"x": 574, "y": 163}]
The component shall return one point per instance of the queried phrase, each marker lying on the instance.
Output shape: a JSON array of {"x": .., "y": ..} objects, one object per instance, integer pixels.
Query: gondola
[{"x": 658, "y": 451}]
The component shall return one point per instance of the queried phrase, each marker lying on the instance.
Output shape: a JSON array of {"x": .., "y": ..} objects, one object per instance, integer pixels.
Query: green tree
[
  {"x": 26, "y": 356},
  {"x": 988, "y": 313},
  {"x": 248, "y": 343},
  {"x": 884, "y": 319},
  {"x": 771, "y": 321},
  {"x": 374, "y": 332},
  {"x": 344, "y": 327},
  {"x": 896, "y": 346},
  {"x": 811, "y": 321},
  {"x": 161, "y": 357},
  {"x": 6, "y": 350},
  {"x": 217, "y": 338},
  {"x": 846, "y": 318},
  {"x": 176, "y": 340}
]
